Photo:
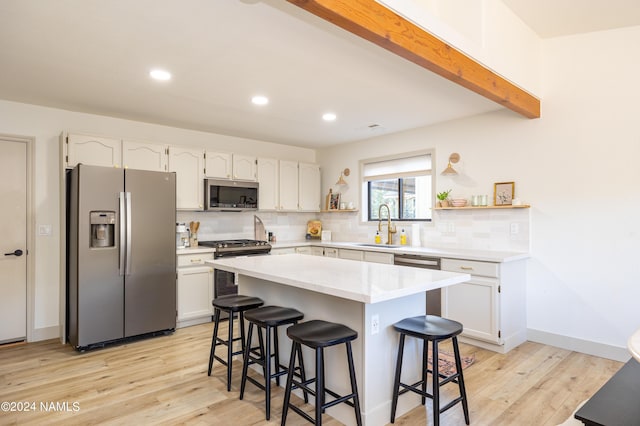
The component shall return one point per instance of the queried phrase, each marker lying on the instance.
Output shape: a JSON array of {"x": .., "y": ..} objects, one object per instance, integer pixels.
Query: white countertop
[
  {"x": 195, "y": 250},
  {"x": 450, "y": 253},
  {"x": 364, "y": 282}
]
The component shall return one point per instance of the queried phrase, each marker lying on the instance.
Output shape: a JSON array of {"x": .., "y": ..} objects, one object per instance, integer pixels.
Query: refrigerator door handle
[
  {"x": 128, "y": 245},
  {"x": 123, "y": 236}
]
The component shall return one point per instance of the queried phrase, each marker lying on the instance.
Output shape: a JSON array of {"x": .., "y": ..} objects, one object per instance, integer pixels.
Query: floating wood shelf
[
  {"x": 522, "y": 206},
  {"x": 339, "y": 211}
]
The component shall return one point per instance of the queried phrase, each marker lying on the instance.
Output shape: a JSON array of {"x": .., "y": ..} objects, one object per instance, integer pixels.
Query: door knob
[{"x": 18, "y": 253}]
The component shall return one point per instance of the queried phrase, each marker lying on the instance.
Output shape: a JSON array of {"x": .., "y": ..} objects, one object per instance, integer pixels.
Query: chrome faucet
[{"x": 391, "y": 229}]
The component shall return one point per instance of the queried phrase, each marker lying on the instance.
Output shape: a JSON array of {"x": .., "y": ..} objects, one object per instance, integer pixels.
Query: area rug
[{"x": 447, "y": 362}]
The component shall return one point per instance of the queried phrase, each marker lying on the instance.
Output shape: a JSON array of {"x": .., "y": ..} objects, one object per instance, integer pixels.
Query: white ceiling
[{"x": 94, "y": 56}]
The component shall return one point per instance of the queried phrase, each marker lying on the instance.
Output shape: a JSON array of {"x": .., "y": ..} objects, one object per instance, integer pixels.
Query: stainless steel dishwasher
[{"x": 425, "y": 262}]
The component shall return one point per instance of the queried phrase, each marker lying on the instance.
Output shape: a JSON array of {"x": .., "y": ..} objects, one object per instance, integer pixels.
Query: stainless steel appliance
[
  {"x": 224, "y": 283},
  {"x": 121, "y": 260},
  {"x": 425, "y": 262},
  {"x": 230, "y": 195},
  {"x": 182, "y": 235}
]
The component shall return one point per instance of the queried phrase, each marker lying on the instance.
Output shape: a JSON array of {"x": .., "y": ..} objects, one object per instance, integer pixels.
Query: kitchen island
[{"x": 368, "y": 297}]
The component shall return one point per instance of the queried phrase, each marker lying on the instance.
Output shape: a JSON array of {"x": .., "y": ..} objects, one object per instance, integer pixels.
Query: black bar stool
[
  {"x": 318, "y": 335},
  {"x": 269, "y": 318},
  {"x": 231, "y": 304},
  {"x": 435, "y": 329}
]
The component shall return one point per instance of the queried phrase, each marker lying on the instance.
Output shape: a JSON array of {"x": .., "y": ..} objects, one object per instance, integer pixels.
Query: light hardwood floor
[{"x": 163, "y": 380}]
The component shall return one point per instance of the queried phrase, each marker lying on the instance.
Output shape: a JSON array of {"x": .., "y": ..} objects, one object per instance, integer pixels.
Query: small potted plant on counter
[{"x": 443, "y": 198}]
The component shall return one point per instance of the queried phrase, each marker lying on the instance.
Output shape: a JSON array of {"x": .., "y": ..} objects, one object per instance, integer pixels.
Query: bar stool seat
[
  {"x": 231, "y": 304},
  {"x": 435, "y": 329},
  {"x": 318, "y": 335},
  {"x": 269, "y": 318}
]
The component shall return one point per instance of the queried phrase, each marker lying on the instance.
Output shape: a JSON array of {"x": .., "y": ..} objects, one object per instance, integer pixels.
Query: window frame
[{"x": 366, "y": 185}]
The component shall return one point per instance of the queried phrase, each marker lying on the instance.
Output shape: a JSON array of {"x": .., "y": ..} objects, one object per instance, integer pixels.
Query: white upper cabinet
[
  {"x": 224, "y": 165},
  {"x": 268, "y": 184},
  {"x": 218, "y": 165},
  {"x": 144, "y": 156},
  {"x": 244, "y": 167},
  {"x": 188, "y": 163},
  {"x": 92, "y": 150},
  {"x": 308, "y": 187},
  {"x": 288, "y": 185}
]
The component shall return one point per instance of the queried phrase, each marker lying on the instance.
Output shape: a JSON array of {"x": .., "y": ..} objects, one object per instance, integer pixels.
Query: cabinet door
[
  {"x": 350, "y": 254},
  {"x": 304, "y": 250},
  {"x": 288, "y": 250},
  {"x": 144, "y": 156},
  {"x": 267, "y": 173},
  {"x": 313, "y": 251},
  {"x": 244, "y": 167},
  {"x": 309, "y": 187},
  {"x": 288, "y": 185},
  {"x": 475, "y": 304},
  {"x": 188, "y": 165},
  {"x": 218, "y": 165},
  {"x": 331, "y": 252},
  {"x": 93, "y": 150},
  {"x": 377, "y": 257},
  {"x": 195, "y": 292},
  {"x": 317, "y": 251}
]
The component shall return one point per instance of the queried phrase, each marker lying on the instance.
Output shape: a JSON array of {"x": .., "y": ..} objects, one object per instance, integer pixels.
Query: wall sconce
[
  {"x": 449, "y": 171},
  {"x": 341, "y": 181}
]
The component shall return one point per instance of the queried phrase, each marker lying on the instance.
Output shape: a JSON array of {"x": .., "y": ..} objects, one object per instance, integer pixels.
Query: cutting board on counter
[{"x": 314, "y": 228}]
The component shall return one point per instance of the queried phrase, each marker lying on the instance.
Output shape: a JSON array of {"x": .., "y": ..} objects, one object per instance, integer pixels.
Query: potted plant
[{"x": 443, "y": 198}]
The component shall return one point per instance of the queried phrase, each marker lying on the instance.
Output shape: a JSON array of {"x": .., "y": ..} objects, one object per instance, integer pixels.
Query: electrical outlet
[
  {"x": 514, "y": 228},
  {"x": 375, "y": 324}
]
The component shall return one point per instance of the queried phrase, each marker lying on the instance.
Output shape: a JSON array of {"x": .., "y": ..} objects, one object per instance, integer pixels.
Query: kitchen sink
[{"x": 377, "y": 245}]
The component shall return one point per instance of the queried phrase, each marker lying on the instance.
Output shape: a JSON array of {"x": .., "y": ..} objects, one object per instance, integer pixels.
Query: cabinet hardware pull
[
  {"x": 196, "y": 260},
  {"x": 467, "y": 268}
]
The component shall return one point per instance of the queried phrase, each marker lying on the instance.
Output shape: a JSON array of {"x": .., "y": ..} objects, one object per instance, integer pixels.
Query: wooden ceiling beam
[{"x": 380, "y": 25}]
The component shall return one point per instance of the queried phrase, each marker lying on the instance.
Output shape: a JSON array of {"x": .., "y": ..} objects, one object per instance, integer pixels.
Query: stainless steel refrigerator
[{"x": 121, "y": 254}]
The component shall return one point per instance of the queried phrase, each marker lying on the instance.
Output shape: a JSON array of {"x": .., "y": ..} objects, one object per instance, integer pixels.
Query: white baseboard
[
  {"x": 45, "y": 333},
  {"x": 588, "y": 347},
  {"x": 194, "y": 321}
]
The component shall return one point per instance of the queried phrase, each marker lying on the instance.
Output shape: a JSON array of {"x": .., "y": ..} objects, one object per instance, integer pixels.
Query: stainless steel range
[
  {"x": 228, "y": 248},
  {"x": 224, "y": 283}
]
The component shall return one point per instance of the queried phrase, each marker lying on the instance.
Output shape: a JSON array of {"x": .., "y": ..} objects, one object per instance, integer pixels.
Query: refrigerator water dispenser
[{"x": 102, "y": 229}]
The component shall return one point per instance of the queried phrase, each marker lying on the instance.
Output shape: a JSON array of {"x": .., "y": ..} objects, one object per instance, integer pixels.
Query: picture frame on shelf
[
  {"x": 503, "y": 193},
  {"x": 334, "y": 201}
]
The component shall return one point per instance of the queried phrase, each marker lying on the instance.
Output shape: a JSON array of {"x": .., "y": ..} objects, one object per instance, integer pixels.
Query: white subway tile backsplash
[{"x": 474, "y": 229}]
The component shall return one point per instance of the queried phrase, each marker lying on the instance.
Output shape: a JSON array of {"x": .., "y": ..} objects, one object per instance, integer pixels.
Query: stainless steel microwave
[{"x": 230, "y": 195}]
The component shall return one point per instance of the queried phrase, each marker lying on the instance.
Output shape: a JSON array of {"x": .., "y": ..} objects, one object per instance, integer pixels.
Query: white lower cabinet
[
  {"x": 285, "y": 250},
  {"x": 330, "y": 252},
  {"x": 194, "y": 289},
  {"x": 311, "y": 250},
  {"x": 491, "y": 306},
  {"x": 378, "y": 257},
  {"x": 350, "y": 254}
]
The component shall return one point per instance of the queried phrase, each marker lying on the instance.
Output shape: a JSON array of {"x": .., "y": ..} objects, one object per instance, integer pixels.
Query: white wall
[
  {"x": 46, "y": 124},
  {"x": 485, "y": 30},
  {"x": 576, "y": 166}
]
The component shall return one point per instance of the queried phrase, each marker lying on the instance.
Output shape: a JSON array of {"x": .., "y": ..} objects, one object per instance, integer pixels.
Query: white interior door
[{"x": 13, "y": 244}]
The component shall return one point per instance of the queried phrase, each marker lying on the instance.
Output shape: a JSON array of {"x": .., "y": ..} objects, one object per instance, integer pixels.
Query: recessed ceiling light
[
  {"x": 260, "y": 100},
  {"x": 160, "y": 75},
  {"x": 329, "y": 116}
]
